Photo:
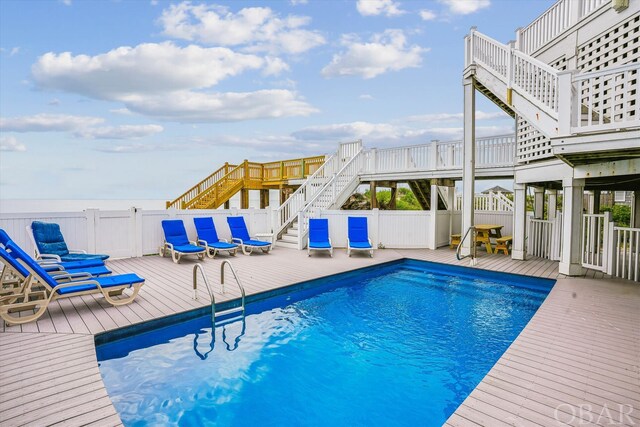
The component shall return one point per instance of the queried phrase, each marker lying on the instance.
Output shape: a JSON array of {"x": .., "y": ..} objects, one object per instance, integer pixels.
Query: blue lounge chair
[
  {"x": 319, "y": 236},
  {"x": 49, "y": 243},
  {"x": 240, "y": 235},
  {"x": 358, "y": 237},
  {"x": 176, "y": 240},
  {"x": 11, "y": 276},
  {"x": 208, "y": 237},
  {"x": 28, "y": 299}
]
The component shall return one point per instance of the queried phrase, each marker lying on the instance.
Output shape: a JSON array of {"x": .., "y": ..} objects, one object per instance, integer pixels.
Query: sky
[{"x": 108, "y": 99}]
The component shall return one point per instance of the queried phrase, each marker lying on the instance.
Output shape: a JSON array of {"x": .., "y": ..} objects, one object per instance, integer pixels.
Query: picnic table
[{"x": 486, "y": 232}]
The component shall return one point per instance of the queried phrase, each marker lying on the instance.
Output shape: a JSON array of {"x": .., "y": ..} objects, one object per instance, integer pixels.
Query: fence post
[
  {"x": 375, "y": 227},
  {"x": 433, "y": 154},
  {"x": 92, "y": 224},
  {"x": 607, "y": 246},
  {"x": 138, "y": 235}
]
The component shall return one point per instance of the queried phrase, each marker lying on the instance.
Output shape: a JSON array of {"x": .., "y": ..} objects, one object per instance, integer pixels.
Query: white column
[
  {"x": 433, "y": 216},
  {"x": 468, "y": 170},
  {"x": 590, "y": 202},
  {"x": 635, "y": 210},
  {"x": 572, "y": 201},
  {"x": 538, "y": 202},
  {"x": 552, "y": 204},
  {"x": 519, "y": 221},
  {"x": 451, "y": 204}
]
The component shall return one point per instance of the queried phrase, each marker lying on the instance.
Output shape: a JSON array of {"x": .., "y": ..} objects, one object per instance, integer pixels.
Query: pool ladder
[{"x": 198, "y": 267}]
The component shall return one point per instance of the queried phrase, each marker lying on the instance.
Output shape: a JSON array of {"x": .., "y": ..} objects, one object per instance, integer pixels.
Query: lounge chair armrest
[
  {"x": 223, "y": 240},
  {"x": 51, "y": 257},
  {"x": 77, "y": 251},
  {"x": 193, "y": 243},
  {"x": 56, "y": 267},
  {"x": 81, "y": 275},
  {"x": 236, "y": 240},
  {"x": 168, "y": 245},
  {"x": 76, "y": 283},
  {"x": 203, "y": 242}
]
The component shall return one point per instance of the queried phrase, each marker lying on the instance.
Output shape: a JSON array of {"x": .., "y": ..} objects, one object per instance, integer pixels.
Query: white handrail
[
  {"x": 288, "y": 211},
  {"x": 324, "y": 198}
]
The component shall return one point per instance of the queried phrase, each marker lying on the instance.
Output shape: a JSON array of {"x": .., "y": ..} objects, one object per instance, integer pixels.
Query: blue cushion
[
  {"x": 358, "y": 230},
  {"x": 188, "y": 249},
  {"x": 4, "y": 237},
  {"x": 49, "y": 239},
  {"x": 206, "y": 230},
  {"x": 83, "y": 257},
  {"x": 174, "y": 232},
  {"x": 95, "y": 262},
  {"x": 5, "y": 257},
  {"x": 255, "y": 243},
  {"x": 319, "y": 230},
  {"x": 94, "y": 271},
  {"x": 319, "y": 245},
  {"x": 105, "y": 282},
  {"x": 359, "y": 245},
  {"x": 222, "y": 245},
  {"x": 238, "y": 228},
  {"x": 20, "y": 255}
]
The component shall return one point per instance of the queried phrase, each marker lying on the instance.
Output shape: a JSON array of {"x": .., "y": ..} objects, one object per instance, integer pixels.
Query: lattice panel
[
  {"x": 613, "y": 97},
  {"x": 559, "y": 64},
  {"x": 531, "y": 144}
]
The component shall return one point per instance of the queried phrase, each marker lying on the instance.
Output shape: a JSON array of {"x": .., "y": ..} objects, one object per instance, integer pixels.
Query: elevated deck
[{"x": 604, "y": 312}]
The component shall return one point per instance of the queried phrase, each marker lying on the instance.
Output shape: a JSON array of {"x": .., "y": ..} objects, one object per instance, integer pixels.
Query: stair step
[
  {"x": 283, "y": 244},
  {"x": 289, "y": 239}
]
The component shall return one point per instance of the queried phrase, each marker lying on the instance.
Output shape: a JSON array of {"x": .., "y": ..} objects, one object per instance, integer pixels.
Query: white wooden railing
[
  {"x": 607, "y": 99},
  {"x": 595, "y": 238},
  {"x": 544, "y": 238},
  {"x": 496, "y": 202},
  {"x": 559, "y": 17},
  {"x": 324, "y": 199},
  {"x": 531, "y": 77},
  {"x": 493, "y": 151},
  {"x": 625, "y": 260},
  {"x": 288, "y": 211}
]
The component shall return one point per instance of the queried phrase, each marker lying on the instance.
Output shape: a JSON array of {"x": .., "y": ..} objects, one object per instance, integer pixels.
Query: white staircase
[
  {"x": 286, "y": 225},
  {"x": 335, "y": 192}
]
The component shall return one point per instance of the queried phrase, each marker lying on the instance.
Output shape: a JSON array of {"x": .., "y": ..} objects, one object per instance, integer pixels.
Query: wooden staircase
[{"x": 216, "y": 189}]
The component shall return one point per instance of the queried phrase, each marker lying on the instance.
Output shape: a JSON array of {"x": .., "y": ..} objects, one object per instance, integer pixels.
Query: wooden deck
[{"x": 582, "y": 346}]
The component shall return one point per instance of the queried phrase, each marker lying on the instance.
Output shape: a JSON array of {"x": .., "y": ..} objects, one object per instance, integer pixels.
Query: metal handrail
[
  {"x": 196, "y": 268},
  {"x": 233, "y": 271},
  {"x": 472, "y": 252}
]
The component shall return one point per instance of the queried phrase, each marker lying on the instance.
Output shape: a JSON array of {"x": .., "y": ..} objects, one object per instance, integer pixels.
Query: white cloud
[
  {"x": 167, "y": 81},
  {"x": 54, "y": 102},
  {"x": 385, "y": 52},
  {"x": 47, "y": 123},
  {"x": 253, "y": 28},
  {"x": 10, "y": 143},
  {"x": 366, "y": 97},
  {"x": 123, "y": 111},
  {"x": 187, "y": 106},
  {"x": 119, "y": 132},
  {"x": 427, "y": 15},
  {"x": 465, "y": 7},
  {"x": 378, "y": 7},
  {"x": 14, "y": 51},
  {"x": 66, "y": 2},
  {"x": 146, "y": 68},
  {"x": 298, "y": 2}
]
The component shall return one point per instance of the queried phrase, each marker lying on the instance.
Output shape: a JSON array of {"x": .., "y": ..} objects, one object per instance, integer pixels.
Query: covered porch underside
[{"x": 582, "y": 346}]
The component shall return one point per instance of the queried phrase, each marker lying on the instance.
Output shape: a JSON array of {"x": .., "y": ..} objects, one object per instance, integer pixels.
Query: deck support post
[
  {"x": 264, "y": 199},
  {"x": 552, "y": 204},
  {"x": 538, "y": 202},
  {"x": 572, "y": 201},
  {"x": 373, "y": 190},
  {"x": 433, "y": 216},
  {"x": 518, "y": 250},
  {"x": 227, "y": 204},
  {"x": 469, "y": 155},
  {"x": 394, "y": 194},
  {"x": 244, "y": 199}
]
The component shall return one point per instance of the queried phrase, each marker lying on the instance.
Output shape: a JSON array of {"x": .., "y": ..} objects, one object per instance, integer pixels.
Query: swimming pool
[{"x": 398, "y": 344}]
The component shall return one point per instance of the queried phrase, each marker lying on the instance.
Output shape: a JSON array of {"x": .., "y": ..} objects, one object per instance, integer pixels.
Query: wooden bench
[
  {"x": 455, "y": 240},
  {"x": 503, "y": 243}
]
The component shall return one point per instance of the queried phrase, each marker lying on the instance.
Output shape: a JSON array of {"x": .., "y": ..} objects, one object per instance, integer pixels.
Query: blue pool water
[{"x": 401, "y": 344}]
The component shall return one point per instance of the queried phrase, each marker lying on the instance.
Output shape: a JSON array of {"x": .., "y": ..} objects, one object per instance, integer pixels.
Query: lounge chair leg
[
  {"x": 161, "y": 251},
  {"x": 123, "y": 301}
]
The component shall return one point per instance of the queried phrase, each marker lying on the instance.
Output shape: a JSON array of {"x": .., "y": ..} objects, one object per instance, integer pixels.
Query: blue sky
[{"x": 141, "y": 99}]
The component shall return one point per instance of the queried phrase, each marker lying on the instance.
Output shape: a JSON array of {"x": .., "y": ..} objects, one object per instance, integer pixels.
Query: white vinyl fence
[
  {"x": 391, "y": 229},
  {"x": 544, "y": 238},
  {"x": 125, "y": 233}
]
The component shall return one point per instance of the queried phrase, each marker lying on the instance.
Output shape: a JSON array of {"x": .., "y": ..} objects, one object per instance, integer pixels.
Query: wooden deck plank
[{"x": 581, "y": 347}]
